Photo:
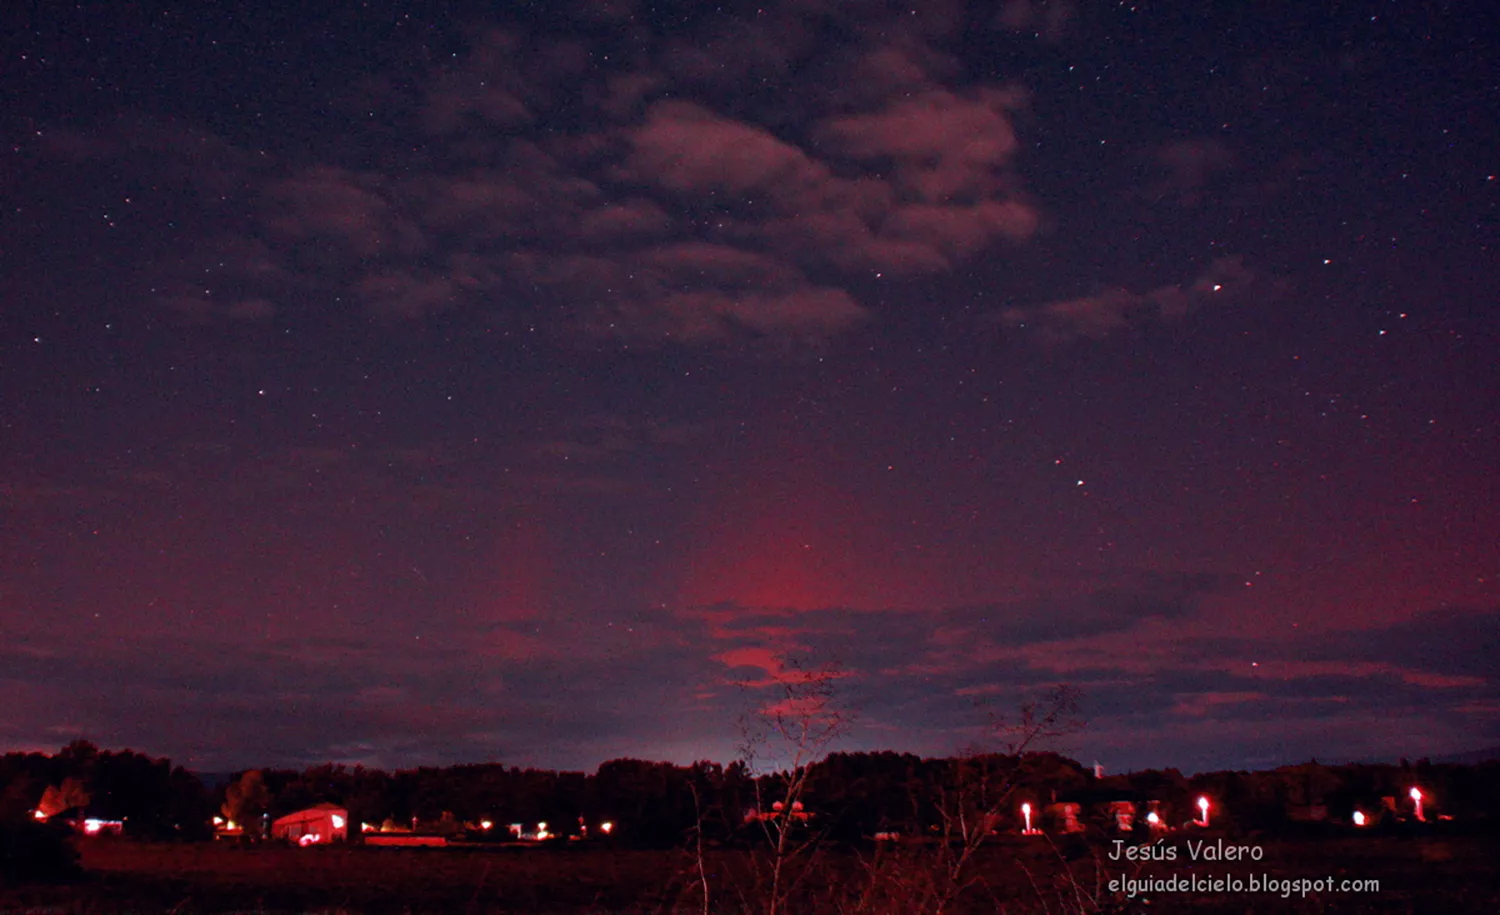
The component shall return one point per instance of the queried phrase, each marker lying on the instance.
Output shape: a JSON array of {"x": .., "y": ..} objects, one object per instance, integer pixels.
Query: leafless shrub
[{"x": 937, "y": 871}]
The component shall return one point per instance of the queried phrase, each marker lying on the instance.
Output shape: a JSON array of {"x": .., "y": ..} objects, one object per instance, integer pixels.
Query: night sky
[{"x": 432, "y": 383}]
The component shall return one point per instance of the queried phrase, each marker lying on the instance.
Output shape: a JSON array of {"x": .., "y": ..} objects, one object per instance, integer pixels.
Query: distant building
[
  {"x": 1062, "y": 818},
  {"x": 778, "y": 811},
  {"x": 1121, "y": 814},
  {"x": 1116, "y": 810},
  {"x": 321, "y": 824}
]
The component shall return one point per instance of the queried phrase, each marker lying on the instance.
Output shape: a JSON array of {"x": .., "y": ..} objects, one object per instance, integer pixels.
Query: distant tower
[{"x": 1098, "y": 769}]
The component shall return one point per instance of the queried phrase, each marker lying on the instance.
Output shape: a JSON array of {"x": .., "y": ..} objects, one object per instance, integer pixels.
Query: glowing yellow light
[
  {"x": 39, "y": 815},
  {"x": 485, "y": 824},
  {"x": 1359, "y": 818},
  {"x": 1152, "y": 818},
  {"x": 1416, "y": 794},
  {"x": 338, "y": 822},
  {"x": 606, "y": 826}
]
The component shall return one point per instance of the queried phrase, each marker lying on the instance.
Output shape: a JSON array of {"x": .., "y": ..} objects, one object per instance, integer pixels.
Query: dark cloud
[
  {"x": 1096, "y": 316},
  {"x": 1446, "y": 642},
  {"x": 598, "y": 684},
  {"x": 319, "y": 698}
]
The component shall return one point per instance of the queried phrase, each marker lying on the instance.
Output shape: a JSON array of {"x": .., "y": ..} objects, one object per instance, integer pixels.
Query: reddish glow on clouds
[{"x": 478, "y": 425}]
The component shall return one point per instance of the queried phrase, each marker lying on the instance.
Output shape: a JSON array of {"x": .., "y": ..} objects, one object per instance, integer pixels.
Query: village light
[
  {"x": 1026, "y": 813},
  {"x": 1202, "y": 811},
  {"x": 606, "y": 826},
  {"x": 1359, "y": 818},
  {"x": 485, "y": 825},
  {"x": 1416, "y": 796},
  {"x": 338, "y": 821},
  {"x": 37, "y": 814},
  {"x": 1153, "y": 819}
]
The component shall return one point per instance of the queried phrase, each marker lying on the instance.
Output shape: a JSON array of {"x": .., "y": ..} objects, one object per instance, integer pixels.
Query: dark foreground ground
[{"x": 1426, "y": 874}]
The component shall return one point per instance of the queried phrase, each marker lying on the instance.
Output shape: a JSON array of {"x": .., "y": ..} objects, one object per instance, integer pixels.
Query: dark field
[{"x": 1460, "y": 874}]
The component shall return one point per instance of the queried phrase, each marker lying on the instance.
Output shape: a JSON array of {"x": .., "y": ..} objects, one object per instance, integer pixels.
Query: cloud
[
  {"x": 644, "y": 197},
  {"x": 845, "y": 240},
  {"x": 718, "y": 265},
  {"x": 1448, "y": 641},
  {"x": 487, "y": 684},
  {"x": 684, "y": 147},
  {"x": 507, "y": 80},
  {"x": 335, "y": 205},
  {"x": 707, "y": 315},
  {"x": 959, "y": 232},
  {"x": 625, "y": 221},
  {"x": 394, "y": 292},
  {"x": 967, "y": 639},
  {"x": 1227, "y": 279},
  {"x": 944, "y": 147}
]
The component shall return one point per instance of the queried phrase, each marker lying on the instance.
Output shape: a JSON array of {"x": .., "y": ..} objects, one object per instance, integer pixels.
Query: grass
[{"x": 1459, "y": 874}]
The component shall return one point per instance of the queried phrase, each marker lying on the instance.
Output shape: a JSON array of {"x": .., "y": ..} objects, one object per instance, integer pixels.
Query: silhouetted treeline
[
  {"x": 152, "y": 797},
  {"x": 851, "y": 796}
]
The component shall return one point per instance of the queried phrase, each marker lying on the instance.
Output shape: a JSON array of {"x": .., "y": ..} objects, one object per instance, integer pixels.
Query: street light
[{"x": 1202, "y": 811}]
